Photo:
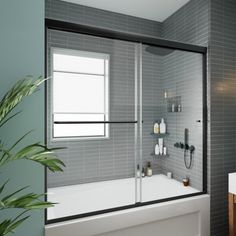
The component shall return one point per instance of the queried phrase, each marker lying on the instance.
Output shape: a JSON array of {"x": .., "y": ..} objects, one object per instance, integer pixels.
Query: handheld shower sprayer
[{"x": 186, "y": 147}]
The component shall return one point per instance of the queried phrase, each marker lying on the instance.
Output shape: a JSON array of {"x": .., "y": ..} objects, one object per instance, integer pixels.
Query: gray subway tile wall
[
  {"x": 202, "y": 22},
  {"x": 215, "y": 27},
  {"x": 113, "y": 158},
  {"x": 176, "y": 28},
  {"x": 190, "y": 24},
  {"x": 60, "y": 10},
  {"x": 105, "y": 160},
  {"x": 222, "y": 60},
  {"x": 178, "y": 74},
  {"x": 151, "y": 106},
  {"x": 114, "y": 161},
  {"x": 182, "y": 76}
]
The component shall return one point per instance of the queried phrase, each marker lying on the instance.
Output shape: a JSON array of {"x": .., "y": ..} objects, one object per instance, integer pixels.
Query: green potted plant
[{"x": 36, "y": 152}]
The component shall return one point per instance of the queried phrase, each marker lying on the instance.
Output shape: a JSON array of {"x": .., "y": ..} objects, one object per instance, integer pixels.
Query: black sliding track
[
  {"x": 107, "y": 33},
  {"x": 112, "y": 34}
]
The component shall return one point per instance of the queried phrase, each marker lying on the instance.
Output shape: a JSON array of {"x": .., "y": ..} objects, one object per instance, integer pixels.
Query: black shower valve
[
  {"x": 179, "y": 145},
  {"x": 186, "y": 146},
  {"x": 192, "y": 148}
]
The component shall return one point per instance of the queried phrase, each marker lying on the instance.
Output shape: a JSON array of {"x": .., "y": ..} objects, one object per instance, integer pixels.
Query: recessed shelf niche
[{"x": 174, "y": 104}]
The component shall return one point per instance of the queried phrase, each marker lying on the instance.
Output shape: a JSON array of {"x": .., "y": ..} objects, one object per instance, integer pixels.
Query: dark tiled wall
[
  {"x": 222, "y": 60},
  {"x": 189, "y": 24},
  {"x": 213, "y": 23},
  {"x": 115, "y": 158},
  {"x": 202, "y": 22},
  {"x": 180, "y": 73},
  {"x": 102, "y": 160},
  {"x": 65, "y": 11},
  {"x": 85, "y": 166}
]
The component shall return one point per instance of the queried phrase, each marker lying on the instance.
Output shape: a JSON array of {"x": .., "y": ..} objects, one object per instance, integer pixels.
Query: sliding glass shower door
[
  {"x": 172, "y": 127},
  {"x": 130, "y": 117},
  {"x": 93, "y": 112}
]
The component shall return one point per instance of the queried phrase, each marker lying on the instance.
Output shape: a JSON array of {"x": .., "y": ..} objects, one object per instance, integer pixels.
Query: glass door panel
[
  {"x": 172, "y": 123},
  {"x": 92, "y": 112}
]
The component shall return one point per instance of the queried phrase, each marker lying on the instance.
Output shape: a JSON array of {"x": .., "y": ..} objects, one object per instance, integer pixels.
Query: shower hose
[{"x": 188, "y": 165}]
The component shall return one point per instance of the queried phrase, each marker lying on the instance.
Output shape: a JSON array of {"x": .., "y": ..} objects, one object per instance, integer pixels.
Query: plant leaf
[
  {"x": 9, "y": 225},
  {"x": 4, "y": 227},
  {"x": 14, "y": 193},
  {"x": 5, "y": 153},
  {"x": 16, "y": 224},
  {"x": 3, "y": 186},
  {"x": 29, "y": 201},
  {"x": 9, "y": 118},
  {"x": 38, "y": 153},
  {"x": 34, "y": 152},
  {"x": 15, "y": 95},
  {"x": 18, "y": 141}
]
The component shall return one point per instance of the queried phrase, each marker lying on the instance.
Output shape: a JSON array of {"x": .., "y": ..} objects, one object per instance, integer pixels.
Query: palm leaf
[
  {"x": 38, "y": 153},
  {"x": 15, "y": 95},
  {"x": 14, "y": 225},
  {"x": 3, "y": 186},
  {"x": 34, "y": 152},
  {"x": 9, "y": 118},
  {"x": 19, "y": 140},
  {"x": 12, "y": 194},
  {"x": 9, "y": 225},
  {"x": 7, "y": 154},
  {"x": 4, "y": 152},
  {"x": 29, "y": 201}
]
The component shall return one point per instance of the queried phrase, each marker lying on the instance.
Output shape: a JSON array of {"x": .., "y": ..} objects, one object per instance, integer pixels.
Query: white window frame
[{"x": 106, "y": 113}]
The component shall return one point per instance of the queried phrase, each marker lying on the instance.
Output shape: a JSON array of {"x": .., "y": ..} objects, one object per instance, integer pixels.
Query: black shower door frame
[{"x": 136, "y": 38}]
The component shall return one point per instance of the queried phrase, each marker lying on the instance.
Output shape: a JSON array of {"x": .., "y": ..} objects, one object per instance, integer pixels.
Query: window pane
[
  {"x": 79, "y": 130},
  {"x": 81, "y": 64},
  {"x": 78, "y": 93}
]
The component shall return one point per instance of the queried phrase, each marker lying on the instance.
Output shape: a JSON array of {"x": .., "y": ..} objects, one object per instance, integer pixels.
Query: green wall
[{"x": 22, "y": 53}]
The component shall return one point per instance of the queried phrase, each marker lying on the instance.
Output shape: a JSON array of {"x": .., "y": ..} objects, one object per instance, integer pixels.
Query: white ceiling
[{"x": 157, "y": 10}]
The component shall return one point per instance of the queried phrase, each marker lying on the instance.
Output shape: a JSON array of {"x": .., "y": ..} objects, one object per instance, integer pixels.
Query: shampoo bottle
[
  {"x": 149, "y": 169},
  {"x": 161, "y": 150},
  {"x": 162, "y": 126},
  {"x": 156, "y": 128},
  {"x": 160, "y": 141},
  {"x": 157, "y": 150},
  {"x": 138, "y": 171},
  {"x": 173, "y": 107},
  {"x": 164, "y": 151},
  {"x": 143, "y": 172}
]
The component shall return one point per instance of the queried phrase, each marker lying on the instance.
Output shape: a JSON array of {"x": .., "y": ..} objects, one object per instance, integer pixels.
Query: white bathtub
[
  {"x": 84, "y": 198},
  {"x": 184, "y": 217}
]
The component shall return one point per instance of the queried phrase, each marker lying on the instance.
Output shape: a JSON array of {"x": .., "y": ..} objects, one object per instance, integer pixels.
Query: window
[{"x": 79, "y": 94}]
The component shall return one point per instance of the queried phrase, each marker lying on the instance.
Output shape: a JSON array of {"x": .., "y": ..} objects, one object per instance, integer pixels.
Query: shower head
[{"x": 159, "y": 51}]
